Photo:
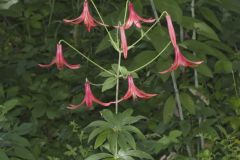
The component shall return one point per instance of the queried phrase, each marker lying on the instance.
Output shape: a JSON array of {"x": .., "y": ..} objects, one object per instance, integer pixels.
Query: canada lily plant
[{"x": 109, "y": 128}]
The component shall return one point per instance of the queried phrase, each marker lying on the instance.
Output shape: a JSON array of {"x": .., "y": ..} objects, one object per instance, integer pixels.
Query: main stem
[
  {"x": 194, "y": 37},
  {"x": 117, "y": 85}
]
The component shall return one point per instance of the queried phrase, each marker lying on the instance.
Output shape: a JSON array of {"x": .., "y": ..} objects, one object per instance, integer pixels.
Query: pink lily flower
[
  {"x": 60, "y": 61},
  {"x": 134, "y": 92},
  {"x": 89, "y": 98},
  {"x": 85, "y": 17},
  {"x": 135, "y": 19},
  {"x": 180, "y": 60},
  {"x": 124, "y": 45}
]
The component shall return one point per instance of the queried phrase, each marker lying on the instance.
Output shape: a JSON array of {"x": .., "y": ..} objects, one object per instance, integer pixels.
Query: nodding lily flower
[
  {"x": 124, "y": 45},
  {"x": 89, "y": 98},
  {"x": 60, "y": 61},
  {"x": 134, "y": 18},
  {"x": 85, "y": 17},
  {"x": 180, "y": 60},
  {"x": 134, "y": 92}
]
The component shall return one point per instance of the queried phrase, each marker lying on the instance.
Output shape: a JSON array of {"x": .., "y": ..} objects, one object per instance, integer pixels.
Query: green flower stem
[
  {"x": 97, "y": 65},
  {"x": 95, "y": 84},
  {"x": 117, "y": 85},
  {"x": 145, "y": 33},
  {"x": 125, "y": 14},
  {"x": 149, "y": 62},
  {"x": 52, "y": 5},
  {"x": 105, "y": 26}
]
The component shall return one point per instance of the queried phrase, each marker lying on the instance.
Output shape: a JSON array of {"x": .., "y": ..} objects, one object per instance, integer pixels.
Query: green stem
[
  {"x": 149, "y": 62},
  {"x": 125, "y": 14},
  {"x": 105, "y": 26},
  {"x": 235, "y": 84},
  {"x": 117, "y": 85},
  {"x": 100, "y": 67},
  {"x": 52, "y": 4},
  {"x": 145, "y": 33},
  {"x": 154, "y": 10}
]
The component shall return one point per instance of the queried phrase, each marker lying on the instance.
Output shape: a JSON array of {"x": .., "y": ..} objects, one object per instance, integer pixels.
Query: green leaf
[
  {"x": 221, "y": 46},
  {"x": 210, "y": 16},
  {"x": 52, "y": 113},
  {"x": 23, "y": 153},
  {"x": 204, "y": 70},
  {"x": 127, "y": 113},
  {"x": 1, "y": 91},
  {"x": 139, "y": 154},
  {"x": 10, "y": 104},
  {"x": 202, "y": 48},
  {"x": 101, "y": 138},
  {"x": 188, "y": 22},
  {"x": 3, "y": 156},
  {"x": 99, "y": 123},
  {"x": 107, "y": 115},
  {"x": 159, "y": 38},
  {"x": 205, "y": 30},
  {"x": 95, "y": 132},
  {"x": 105, "y": 43},
  {"x": 105, "y": 74},
  {"x": 173, "y": 135},
  {"x": 188, "y": 103},
  {"x": 24, "y": 128},
  {"x": 109, "y": 83},
  {"x": 123, "y": 70},
  {"x": 169, "y": 108},
  {"x": 39, "y": 109},
  {"x": 6, "y": 4},
  {"x": 232, "y": 5},
  {"x": 99, "y": 156},
  {"x": 200, "y": 95},
  {"x": 131, "y": 120},
  {"x": 18, "y": 140},
  {"x": 134, "y": 130},
  {"x": 142, "y": 58},
  {"x": 113, "y": 140},
  {"x": 223, "y": 66},
  {"x": 172, "y": 7},
  {"x": 185, "y": 127},
  {"x": 129, "y": 139}
]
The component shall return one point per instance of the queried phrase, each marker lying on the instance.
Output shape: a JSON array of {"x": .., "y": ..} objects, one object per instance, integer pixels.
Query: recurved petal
[
  {"x": 47, "y": 65},
  {"x": 193, "y": 63},
  {"x": 127, "y": 95},
  {"x": 74, "y": 21},
  {"x": 101, "y": 103},
  {"x": 72, "y": 66},
  {"x": 147, "y": 20},
  {"x": 76, "y": 106},
  {"x": 172, "y": 68},
  {"x": 72, "y": 106},
  {"x": 144, "y": 95}
]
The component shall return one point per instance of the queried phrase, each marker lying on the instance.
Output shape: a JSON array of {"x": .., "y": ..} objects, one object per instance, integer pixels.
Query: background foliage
[{"x": 35, "y": 123}]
